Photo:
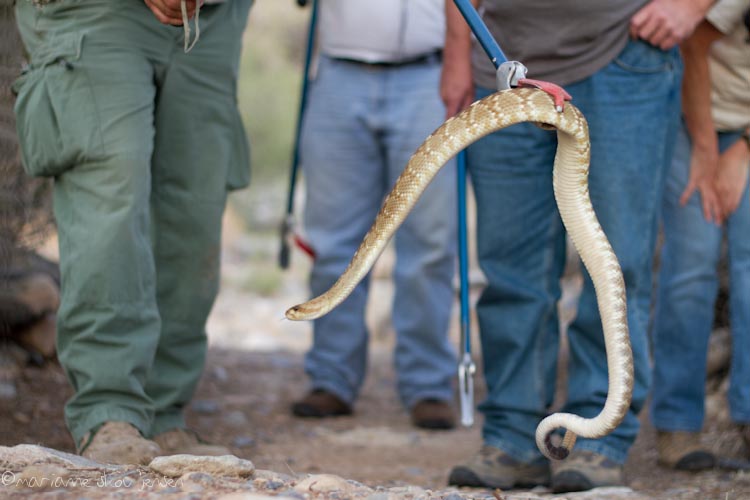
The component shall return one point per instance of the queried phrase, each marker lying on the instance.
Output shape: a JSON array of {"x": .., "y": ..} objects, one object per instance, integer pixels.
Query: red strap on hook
[
  {"x": 557, "y": 92},
  {"x": 304, "y": 246}
]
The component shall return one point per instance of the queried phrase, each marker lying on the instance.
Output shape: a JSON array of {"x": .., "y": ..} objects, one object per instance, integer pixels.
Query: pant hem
[{"x": 168, "y": 422}]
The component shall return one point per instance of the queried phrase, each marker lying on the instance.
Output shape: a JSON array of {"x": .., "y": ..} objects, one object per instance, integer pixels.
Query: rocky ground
[{"x": 254, "y": 372}]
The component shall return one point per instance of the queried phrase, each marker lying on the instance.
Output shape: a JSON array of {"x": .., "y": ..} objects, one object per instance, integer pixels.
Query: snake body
[{"x": 570, "y": 181}]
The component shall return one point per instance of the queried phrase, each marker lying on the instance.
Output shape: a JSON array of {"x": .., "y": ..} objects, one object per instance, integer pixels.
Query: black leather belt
[{"x": 432, "y": 57}]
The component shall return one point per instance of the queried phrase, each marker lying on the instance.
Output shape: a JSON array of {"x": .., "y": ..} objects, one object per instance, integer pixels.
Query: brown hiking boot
[
  {"x": 118, "y": 443},
  {"x": 683, "y": 451},
  {"x": 493, "y": 468},
  {"x": 583, "y": 470},
  {"x": 433, "y": 414},
  {"x": 187, "y": 442},
  {"x": 320, "y": 403}
]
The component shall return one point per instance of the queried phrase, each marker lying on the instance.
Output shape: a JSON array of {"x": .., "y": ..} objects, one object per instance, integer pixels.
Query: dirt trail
[{"x": 255, "y": 371}]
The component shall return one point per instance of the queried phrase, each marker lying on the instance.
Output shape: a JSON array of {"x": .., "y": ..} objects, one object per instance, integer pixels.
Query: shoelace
[{"x": 186, "y": 24}]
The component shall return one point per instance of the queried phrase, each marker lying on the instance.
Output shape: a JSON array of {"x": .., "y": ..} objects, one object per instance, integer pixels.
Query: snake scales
[{"x": 570, "y": 180}]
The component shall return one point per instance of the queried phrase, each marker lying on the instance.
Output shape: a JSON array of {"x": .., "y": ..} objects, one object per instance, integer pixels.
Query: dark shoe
[
  {"x": 745, "y": 433},
  {"x": 433, "y": 414},
  {"x": 319, "y": 404},
  {"x": 583, "y": 470},
  {"x": 493, "y": 468},
  {"x": 683, "y": 451}
]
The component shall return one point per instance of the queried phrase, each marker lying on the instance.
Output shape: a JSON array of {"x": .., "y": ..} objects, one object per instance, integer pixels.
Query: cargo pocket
[
  {"x": 56, "y": 115},
  {"x": 238, "y": 174}
]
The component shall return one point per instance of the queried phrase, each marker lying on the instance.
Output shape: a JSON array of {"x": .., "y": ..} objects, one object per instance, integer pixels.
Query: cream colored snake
[{"x": 570, "y": 180}]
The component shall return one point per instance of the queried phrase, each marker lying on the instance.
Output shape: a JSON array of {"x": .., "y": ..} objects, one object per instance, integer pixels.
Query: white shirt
[
  {"x": 380, "y": 30},
  {"x": 729, "y": 65}
]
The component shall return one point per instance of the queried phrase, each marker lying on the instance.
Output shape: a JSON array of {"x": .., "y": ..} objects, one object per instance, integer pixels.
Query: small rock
[
  {"x": 453, "y": 496},
  {"x": 40, "y": 336},
  {"x": 380, "y": 495},
  {"x": 269, "y": 480},
  {"x": 271, "y": 475},
  {"x": 221, "y": 373},
  {"x": 178, "y": 465},
  {"x": 243, "y": 441},
  {"x": 410, "y": 491},
  {"x": 205, "y": 406},
  {"x": 21, "y": 418},
  {"x": 195, "y": 481},
  {"x": 235, "y": 418},
  {"x": 7, "y": 390},
  {"x": 381, "y": 437},
  {"x": 608, "y": 492},
  {"x": 26, "y": 454},
  {"x": 41, "y": 476},
  {"x": 414, "y": 471},
  {"x": 249, "y": 496},
  {"x": 323, "y": 483}
]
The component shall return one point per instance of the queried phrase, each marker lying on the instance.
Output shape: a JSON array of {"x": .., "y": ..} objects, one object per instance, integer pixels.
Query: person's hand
[
  {"x": 456, "y": 85},
  {"x": 732, "y": 176},
  {"x": 703, "y": 165},
  {"x": 666, "y": 23},
  {"x": 170, "y": 11}
]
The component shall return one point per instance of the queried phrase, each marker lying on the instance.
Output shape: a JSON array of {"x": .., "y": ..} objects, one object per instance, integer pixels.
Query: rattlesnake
[{"x": 570, "y": 180}]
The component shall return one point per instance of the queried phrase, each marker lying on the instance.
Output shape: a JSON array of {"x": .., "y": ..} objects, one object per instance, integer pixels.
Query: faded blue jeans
[
  {"x": 362, "y": 124},
  {"x": 688, "y": 283},
  {"x": 632, "y": 107}
]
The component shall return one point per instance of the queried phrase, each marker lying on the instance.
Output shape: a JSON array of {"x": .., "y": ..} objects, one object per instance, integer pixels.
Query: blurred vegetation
[
  {"x": 269, "y": 93},
  {"x": 270, "y": 82}
]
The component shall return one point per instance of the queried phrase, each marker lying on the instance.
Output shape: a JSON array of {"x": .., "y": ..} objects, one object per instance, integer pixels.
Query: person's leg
[
  {"x": 345, "y": 181},
  {"x": 108, "y": 323},
  {"x": 425, "y": 244},
  {"x": 683, "y": 316},
  {"x": 630, "y": 105},
  {"x": 521, "y": 249},
  {"x": 738, "y": 396},
  {"x": 687, "y": 286},
  {"x": 199, "y": 143}
]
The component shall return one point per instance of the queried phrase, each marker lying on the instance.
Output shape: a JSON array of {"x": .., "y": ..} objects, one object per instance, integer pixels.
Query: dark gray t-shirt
[{"x": 560, "y": 41}]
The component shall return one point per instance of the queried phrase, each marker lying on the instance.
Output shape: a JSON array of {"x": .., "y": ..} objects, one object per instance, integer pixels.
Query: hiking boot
[
  {"x": 493, "y": 468},
  {"x": 583, "y": 470},
  {"x": 187, "y": 442},
  {"x": 118, "y": 443},
  {"x": 745, "y": 433},
  {"x": 320, "y": 403},
  {"x": 433, "y": 414},
  {"x": 683, "y": 451}
]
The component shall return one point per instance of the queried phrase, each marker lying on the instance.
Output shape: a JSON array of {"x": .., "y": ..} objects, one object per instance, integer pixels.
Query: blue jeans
[
  {"x": 688, "y": 284},
  {"x": 361, "y": 126},
  {"x": 632, "y": 107}
]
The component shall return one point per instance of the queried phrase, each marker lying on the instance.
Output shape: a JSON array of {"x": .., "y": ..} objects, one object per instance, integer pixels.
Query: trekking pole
[
  {"x": 508, "y": 74},
  {"x": 466, "y": 367},
  {"x": 287, "y": 224}
]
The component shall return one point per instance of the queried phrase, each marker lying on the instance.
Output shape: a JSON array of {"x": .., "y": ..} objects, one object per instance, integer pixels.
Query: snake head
[
  {"x": 312, "y": 309},
  {"x": 295, "y": 313}
]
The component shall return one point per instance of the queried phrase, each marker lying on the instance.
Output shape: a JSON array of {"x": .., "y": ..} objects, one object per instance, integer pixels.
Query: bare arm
[
  {"x": 666, "y": 23},
  {"x": 696, "y": 104},
  {"x": 456, "y": 82}
]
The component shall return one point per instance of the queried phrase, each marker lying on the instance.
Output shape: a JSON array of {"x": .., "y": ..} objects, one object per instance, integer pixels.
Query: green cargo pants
[{"x": 144, "y": 142}]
